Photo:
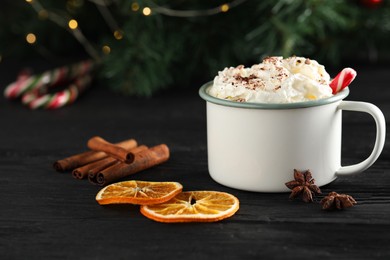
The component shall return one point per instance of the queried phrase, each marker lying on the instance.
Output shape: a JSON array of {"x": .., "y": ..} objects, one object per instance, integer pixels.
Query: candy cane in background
[
  {"x": 35, "y": 100},
  {"x": 50, "y": 78},
  {"x": 342, "y": 80},
  {"x": 12, "y": 89},
  {"x": 33, "y": 89}
]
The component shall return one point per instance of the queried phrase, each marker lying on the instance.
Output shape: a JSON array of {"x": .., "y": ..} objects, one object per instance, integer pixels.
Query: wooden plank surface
[{"x": 49, "y": 215}]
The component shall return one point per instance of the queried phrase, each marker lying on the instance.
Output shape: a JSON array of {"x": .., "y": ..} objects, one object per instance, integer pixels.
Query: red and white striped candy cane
[
  {"x": 342, "y": 80},
  {"x": 12, "y": 89},
  {"x": 35, "y": 100},
  {"x": 48, "y": 78}
]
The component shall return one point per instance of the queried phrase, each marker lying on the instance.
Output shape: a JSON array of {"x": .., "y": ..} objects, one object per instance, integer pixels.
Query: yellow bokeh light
[
  {"x": 31, "y": 38},
  {"x": 224, "y": 7},
  {"x": 106, "y": 49},
  {"x": 73, "y": 24},
  {"x": 135, "y": 6},
  {"x": 147, "y": 11},
  {"x": 29, "y": 1},
  {"x": 118, "y": 34}
]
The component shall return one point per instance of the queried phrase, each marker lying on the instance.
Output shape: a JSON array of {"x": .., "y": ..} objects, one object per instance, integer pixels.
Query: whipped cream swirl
[{"x": 275, "y": 80}]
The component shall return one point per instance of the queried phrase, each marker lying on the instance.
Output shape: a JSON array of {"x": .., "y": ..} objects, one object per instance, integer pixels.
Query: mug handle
[{"x": 379, "y": 118}]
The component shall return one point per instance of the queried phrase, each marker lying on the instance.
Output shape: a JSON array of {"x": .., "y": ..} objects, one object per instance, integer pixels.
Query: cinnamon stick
[
  {"x": 83, "y": 171},
  {"x": 142, "y": 160},
  {"x": 98, "y": 144},
  {"x": 93, "y": 172},
  {"x": 84, "y": 158},
  {"x": 109, "y": 162}
]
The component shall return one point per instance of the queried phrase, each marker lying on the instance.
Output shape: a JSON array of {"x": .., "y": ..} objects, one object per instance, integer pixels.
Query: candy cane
[
  {"x": 48, "y": 78},
  {"x": 11, "y": 89},
  {"x": 342, "y": 80},
  {"x": 34, "y": 99}
]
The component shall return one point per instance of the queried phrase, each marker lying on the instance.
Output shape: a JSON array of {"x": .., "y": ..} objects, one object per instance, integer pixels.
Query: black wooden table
[{"x": 48, "y": 215}]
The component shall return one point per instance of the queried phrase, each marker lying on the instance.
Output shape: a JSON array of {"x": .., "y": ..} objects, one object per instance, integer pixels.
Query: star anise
[
  {"x": 337, "y": 201},
  {"x": 303, "y": 184}
]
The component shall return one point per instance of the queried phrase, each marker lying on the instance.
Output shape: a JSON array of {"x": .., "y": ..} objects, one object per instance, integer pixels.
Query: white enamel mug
[{"x": 256, "y": 146}]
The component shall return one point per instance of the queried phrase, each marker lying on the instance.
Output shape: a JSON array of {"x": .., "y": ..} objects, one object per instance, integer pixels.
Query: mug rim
[{"x": 203, "y": 93}]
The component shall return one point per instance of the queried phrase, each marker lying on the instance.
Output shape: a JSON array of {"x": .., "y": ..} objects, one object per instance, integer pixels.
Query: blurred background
[{"x": 143, "y": 46}]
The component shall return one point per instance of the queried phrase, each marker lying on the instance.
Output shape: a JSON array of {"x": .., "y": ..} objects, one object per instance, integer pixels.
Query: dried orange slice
[
  {"x": 138, "y": 192},
  {"x": 193, "y": 206}
]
